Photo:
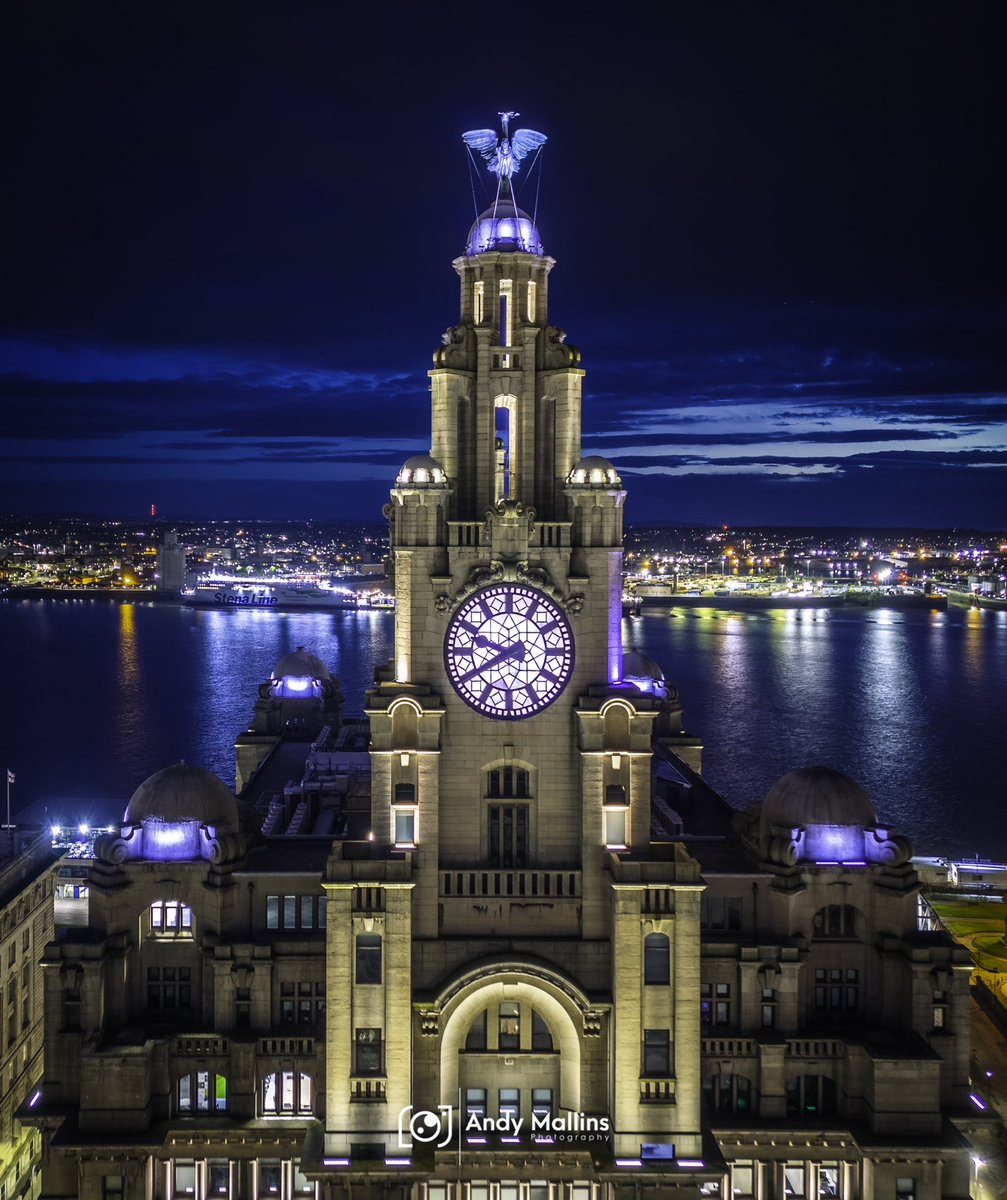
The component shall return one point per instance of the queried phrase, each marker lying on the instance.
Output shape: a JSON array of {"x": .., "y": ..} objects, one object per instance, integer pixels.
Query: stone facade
[{"x": 489, "y": 947}]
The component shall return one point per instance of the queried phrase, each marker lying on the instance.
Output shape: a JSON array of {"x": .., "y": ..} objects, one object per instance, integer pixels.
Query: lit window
[
  {"x": 286, "y": 1093},
  {"x": 170, "y": 918},
  {"x": 201, "y": 1092},
  {"x": 185, "y": 1179},
  {"x": 615, "y": 828},
  {"x": 828, "y": 1180},
  {"x": 795, "y": 1180},
  {"x": 405, "y": 827}
]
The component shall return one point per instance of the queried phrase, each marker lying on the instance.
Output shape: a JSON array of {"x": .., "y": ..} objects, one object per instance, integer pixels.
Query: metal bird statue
[{"x": 504, "y": 154}]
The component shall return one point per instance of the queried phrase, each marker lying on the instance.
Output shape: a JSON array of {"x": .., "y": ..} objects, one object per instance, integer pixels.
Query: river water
[{"x": 99, "y": 694}]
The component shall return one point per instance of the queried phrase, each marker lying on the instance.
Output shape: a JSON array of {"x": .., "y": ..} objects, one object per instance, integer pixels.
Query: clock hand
[
  {"x": 484, "y": 643},
  {"x": 514, "y": 650}
]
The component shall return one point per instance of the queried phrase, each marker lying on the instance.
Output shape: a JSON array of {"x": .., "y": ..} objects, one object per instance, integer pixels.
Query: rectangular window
[
  {"x": 657, "y": 1053},
  {"x": 794, "y": 1181},
  {"x": 323, "y": 912},
  {"x": 405, "y": 827},
  {"x": 270, "y": 1178},
  {"x": 828, "y": 1181},
  {"x": 706, "y": 1004},
  {"x": 272, "y": 912},
  {"x": 368, "y": 958},
  {"x": 218, "y": 1180},
  {"x": 506, "y": 296},
  {"x": 510, "y": 1103},
  {"x": 541, "y": 1102},
  {"x": 722, "y": 1004},
  {"x": 743, "y": 1181},
  {"x": 905, "y": 1187},
  {"x": 615, "y": 828},
  {"x": 367, "y": 1052},
  {"x": 509, "y": 1032},
  {"x": 289, "y": 912},
  {"x": 475, "y": 1102},
  {"x": 307, "y": 911},
  {"x": 185, "y": 1179},
  {"x": 508, "y": 835},
  {"x": 111, "y": 1187},
  {"x": 836, "y": 988}
]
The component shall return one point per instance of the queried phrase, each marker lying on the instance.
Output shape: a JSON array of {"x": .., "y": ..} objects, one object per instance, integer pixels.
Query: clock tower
[{"x": 539, "y": 955}]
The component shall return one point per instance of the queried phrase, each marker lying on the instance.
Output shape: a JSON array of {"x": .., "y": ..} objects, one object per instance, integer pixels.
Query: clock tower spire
[{"x": 511, "y": 764}]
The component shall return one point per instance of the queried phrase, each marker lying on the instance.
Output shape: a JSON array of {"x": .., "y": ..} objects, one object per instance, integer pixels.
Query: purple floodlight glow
[
  {"x": 629, "y": 1162},
  {"x": 169, "y": 841},
  {"x": 336, "y": 1162},
  {"x": 695, "y": 1163},
  {"x": 35, "y": 1099},
  {"x": 296, "y": 683},
  {"x": 398, "y": 1162},
  {"x": 979, "y": 1103},
  {"x": 476, "y": 1141}
]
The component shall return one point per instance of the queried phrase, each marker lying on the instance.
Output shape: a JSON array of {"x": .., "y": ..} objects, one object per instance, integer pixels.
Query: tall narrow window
[
  {"x": 532, "y": 300},
  {"x": 367, "y": 1052},
  {"x": 656, "y": 958},
  {"x": 657, "y": 1052},
  {"x": 506, "y": 299},
  {"x": 368, "y": 958},
  {"x": 479, "y": 297},
  {"x": 476, "y": 1039},
  {"x": 508, "y": 835},
  {"x": 509, "y": 1032},
  {"x": 541, "y": 1037}
]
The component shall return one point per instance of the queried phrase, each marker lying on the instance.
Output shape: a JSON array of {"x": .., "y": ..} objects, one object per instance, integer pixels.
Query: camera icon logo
[{"x": 426, "y": 1126}]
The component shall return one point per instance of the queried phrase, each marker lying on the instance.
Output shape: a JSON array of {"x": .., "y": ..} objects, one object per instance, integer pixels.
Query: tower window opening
[
  {"x": 508, "y": 783},
  {"x": 479, "y": 302},
  {"x": 506, "y": 299},
  {"x": 503, "y": 453},
  {"x": 532, "y": 299},
  {"x": 508, "y": 835}
]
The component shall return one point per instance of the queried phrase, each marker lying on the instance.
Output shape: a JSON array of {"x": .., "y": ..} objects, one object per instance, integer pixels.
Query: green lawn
[
  {"x": 992, "y": 947},
  {"x": 963, "y": 918}
]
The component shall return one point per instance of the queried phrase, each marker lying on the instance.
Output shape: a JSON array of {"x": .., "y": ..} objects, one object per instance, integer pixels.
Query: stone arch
[
  {"x": 560, "y": 1002},
  {"x": 617, "y": 715},
  {"x": 405, "y": 715}
]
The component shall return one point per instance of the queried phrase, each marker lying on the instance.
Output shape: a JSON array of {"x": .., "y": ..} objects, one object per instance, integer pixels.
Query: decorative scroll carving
[
  {"x": 593, "y": 1021},
  {"x": 430, "y": 1022}
]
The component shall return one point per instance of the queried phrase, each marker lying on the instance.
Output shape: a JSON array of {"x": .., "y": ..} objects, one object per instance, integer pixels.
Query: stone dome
[
  {"x": 302, "y": 665},
  {"x": 816, "y": 796},
  {"x": 422, "y": 470},
  {"x": 184, "y": 793},
  {"x": 504, "y": 226},
  {"x": 594, "y": 471}
]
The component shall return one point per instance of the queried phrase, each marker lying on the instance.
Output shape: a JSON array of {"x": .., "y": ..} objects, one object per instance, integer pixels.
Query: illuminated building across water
[{"x": 499, "y": 940}]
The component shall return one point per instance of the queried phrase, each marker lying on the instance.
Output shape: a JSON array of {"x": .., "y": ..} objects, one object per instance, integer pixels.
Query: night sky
[{"x": 779, "y": 232}]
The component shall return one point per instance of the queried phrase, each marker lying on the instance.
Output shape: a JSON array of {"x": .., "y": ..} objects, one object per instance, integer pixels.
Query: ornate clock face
[{"x": 509, "y": 651}]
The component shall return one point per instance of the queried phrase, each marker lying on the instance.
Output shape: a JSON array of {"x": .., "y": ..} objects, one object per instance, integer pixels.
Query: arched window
[
  {"x": 729, "y": 1093},
  {"x": 836, "y": 921},
  {"x": 508, "y": 783},
  {"x": 811, "y": 1096},
  {"x": 286, "y": 1093},
  {"x": 656, "y": 958},
  {"x": 508, "y": 1028},
  {"x": 201, "y": 1093}
]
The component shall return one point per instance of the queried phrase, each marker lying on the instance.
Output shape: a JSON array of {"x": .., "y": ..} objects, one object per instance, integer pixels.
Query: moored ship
[{"x": 230, "y": 594}]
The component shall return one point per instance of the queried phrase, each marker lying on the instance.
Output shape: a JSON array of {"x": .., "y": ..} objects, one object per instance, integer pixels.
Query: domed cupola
[
  {"x": 421, "y": 471},
  {"x": 300, "y": 676},
  {"x": 504, "y": 227},
  {"x": 819, "y": 816},
  {"x": 593, "y": 472},
  {"x": 180, "y": 813}
]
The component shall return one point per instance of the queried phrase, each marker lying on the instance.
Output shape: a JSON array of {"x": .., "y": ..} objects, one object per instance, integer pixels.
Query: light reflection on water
[{"x": 911, "y": 704}]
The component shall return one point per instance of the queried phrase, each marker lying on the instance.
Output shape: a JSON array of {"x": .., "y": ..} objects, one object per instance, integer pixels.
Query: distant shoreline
[{"x": 739, "y": 601}]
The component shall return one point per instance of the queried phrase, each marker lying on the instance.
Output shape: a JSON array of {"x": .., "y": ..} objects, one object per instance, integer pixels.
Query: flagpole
[{"x": 8, "y": 797}]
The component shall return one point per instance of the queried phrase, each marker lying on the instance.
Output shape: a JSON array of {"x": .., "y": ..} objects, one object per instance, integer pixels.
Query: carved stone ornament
[
  {"x": 430, "y": 1022},
  {"x": 593, "y": 1021}
]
